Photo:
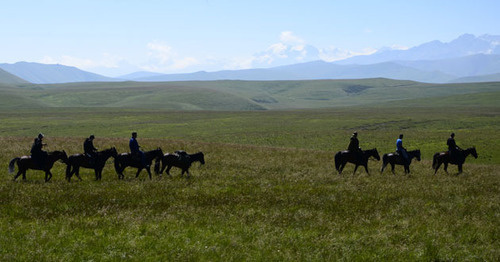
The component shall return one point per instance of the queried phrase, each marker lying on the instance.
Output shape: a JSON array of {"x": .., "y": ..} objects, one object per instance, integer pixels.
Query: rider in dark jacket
[
  {"x": 134, "y": 149},
  {"x": 453, "y": 148},
  {"x": 90, "y": 150},
  {"x": 37, "y": 154},
  {"x": 354, "y": 146}
]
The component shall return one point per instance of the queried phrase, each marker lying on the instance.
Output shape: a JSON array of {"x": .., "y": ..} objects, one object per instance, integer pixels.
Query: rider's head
[
  {"x": 452, "y": 135},
  {"x": 400, "y": 136},
  {"x": 134, "y": 134},
  {"x": 40, "y": 136},
  {"x": 355, "y": 134},
  {"x": 91, "y": 136}
]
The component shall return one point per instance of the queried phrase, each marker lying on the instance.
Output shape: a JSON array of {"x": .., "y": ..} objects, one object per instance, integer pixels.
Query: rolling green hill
[{"x": 243, "y": 95}]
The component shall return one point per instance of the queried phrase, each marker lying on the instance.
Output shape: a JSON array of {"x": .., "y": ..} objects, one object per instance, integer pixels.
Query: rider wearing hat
[
  {"x": 453, "y": 148},
  {"x": 89, "y": 149},
  {"x": 354, "y": 145},
  {"x": 37, "y": 154}
]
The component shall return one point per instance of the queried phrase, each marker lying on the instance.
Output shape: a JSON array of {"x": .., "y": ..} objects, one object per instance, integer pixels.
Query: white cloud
[
  {"x": 332, "y": 53},
  {"x": 163, "y": 58}
]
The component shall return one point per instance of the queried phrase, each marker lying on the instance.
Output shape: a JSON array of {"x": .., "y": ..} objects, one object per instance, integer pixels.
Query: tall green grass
[{"x": 268, "y": 190}]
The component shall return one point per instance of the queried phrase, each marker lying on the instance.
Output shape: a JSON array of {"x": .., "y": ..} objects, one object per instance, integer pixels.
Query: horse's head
[
  {"x": 113, "y": 152},
  {"x": 473, "y": 151},
  {"x": 61, "y": 155},
  {"x": 417, "y": 154},
  {"x": 158, "y": 153},
  {"x": 201, "y": 158},
  {"x": 375, "y": 154}
]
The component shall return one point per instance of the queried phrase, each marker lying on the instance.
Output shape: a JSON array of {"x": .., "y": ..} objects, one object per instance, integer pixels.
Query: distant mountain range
[{"x": 467, "y": 58}]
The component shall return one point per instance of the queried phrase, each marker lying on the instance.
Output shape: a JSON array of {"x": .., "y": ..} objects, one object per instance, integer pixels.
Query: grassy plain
[{"x": 267, "y": 192}]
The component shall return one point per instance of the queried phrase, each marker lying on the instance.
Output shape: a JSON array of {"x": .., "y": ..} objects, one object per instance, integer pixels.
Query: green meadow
[{"x": 268, "y": 190}]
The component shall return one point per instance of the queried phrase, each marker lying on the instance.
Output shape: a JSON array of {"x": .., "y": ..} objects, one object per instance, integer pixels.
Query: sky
[{"x": 113, "y": 38}]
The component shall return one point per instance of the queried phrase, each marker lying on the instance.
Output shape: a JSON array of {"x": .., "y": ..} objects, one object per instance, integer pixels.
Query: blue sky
[{"x": 114, "y": 37}]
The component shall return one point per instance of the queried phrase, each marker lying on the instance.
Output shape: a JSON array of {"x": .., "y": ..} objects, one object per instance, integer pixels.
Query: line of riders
[
  {"x": 94, "y": 159},
  {"x": 353, "y": 154}
]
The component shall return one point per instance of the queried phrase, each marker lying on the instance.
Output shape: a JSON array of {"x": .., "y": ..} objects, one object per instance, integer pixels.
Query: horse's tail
[
  {"x": 12, "y": 168},
  {"x": 337, "y": 161},
  {"x": 435, "y": 160},
  {"x": 157, "y": 165}
]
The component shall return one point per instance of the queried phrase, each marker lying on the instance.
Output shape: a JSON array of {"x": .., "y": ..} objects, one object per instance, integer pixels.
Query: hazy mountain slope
[
  {"x": 47, "y": 74},
  {"x": 8, "y": 78},
  {"x": 464, "y": 45},
  {"x": 312, "y": 71},
  {"x": 473, "y": 65},
  {"x": 473, "y": 79}
]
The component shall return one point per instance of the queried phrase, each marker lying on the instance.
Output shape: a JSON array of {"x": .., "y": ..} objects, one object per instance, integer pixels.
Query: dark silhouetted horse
[
  {"x": 126, "y": 159},
  {"x": 445, "y": 158},
  {"x": 396, "y": 159},
  {"x": 344, "y": 157},
  {"x": 81, "y": 160},
  {"x": 181, "y": 160},
  {"x": 26, "y": 162}
]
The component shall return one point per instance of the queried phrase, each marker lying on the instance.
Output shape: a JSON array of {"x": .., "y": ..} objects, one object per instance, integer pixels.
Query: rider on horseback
[
  {"x": 401, "y": 150},
  {"x": 90, "y": 150},
  {"x": 134, "y": 149},
  {"x": 37, "y": 154},
  {"x": 453, "y": 148},
  {"x": 354, "y": 146}
]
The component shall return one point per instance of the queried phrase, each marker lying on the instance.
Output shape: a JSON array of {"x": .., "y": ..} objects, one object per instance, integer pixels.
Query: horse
[
  {"x": 444, "y": 158},
  {"x": 343, "y": 157},
  {"x": 26, "y": 162},
  {"x": 127, "y": 159},
  {"x": 81, "y": 160},
  {"x": 181, "y": 160},
  {"x": 396, "y": 159}
]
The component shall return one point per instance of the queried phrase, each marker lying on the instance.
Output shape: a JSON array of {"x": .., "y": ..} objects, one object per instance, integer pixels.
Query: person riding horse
[
  {"x": 401, "y": 150},
  {"x": 37, "y": 154},
  {"x": 89, "y": 150},
  {"x": 354, "y": 146},
  {"x": 453, "y": 148},
  {"x": 134, "y": 149}
]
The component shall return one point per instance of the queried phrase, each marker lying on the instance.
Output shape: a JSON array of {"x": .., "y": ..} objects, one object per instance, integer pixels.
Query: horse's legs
[
  {"x": 138, "y": 172},
  {"x": 148, "y": 168},
  {"x": 355, "y": 168},
  {"x": 459, "y": 168},
  {"x": 366, "y": 168},
  {"x": 446, "y": 167},
  {"x": 168, "y": 170},
  {"x": 392, "y": 168},
  {"x": 188, "y": 175},
  {"x": 341, "y": 168},
  {"x": 48, "y": 176},
  {"x": 437, "y": 167},
  {"x": 383, "y": 167},
  {"x": 77, "y": 172},
  {"x": 18, "y": 174}
]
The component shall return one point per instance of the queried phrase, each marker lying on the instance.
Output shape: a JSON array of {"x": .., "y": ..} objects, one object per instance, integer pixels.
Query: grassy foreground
[{"x": 267, "y": 192}]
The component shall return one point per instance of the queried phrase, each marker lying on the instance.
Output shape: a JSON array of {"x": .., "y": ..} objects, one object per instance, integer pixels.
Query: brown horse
[
  {"x": 344, "y": 157},
  {"x": 126, "y": 159},
  {"x": 396, "y": 159},
  {"x": 81, "y": 160},
  {"x": 26, "y": 162},
  {"x": 444, "y": 158},
  {"x": 181, "y": 160}
]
